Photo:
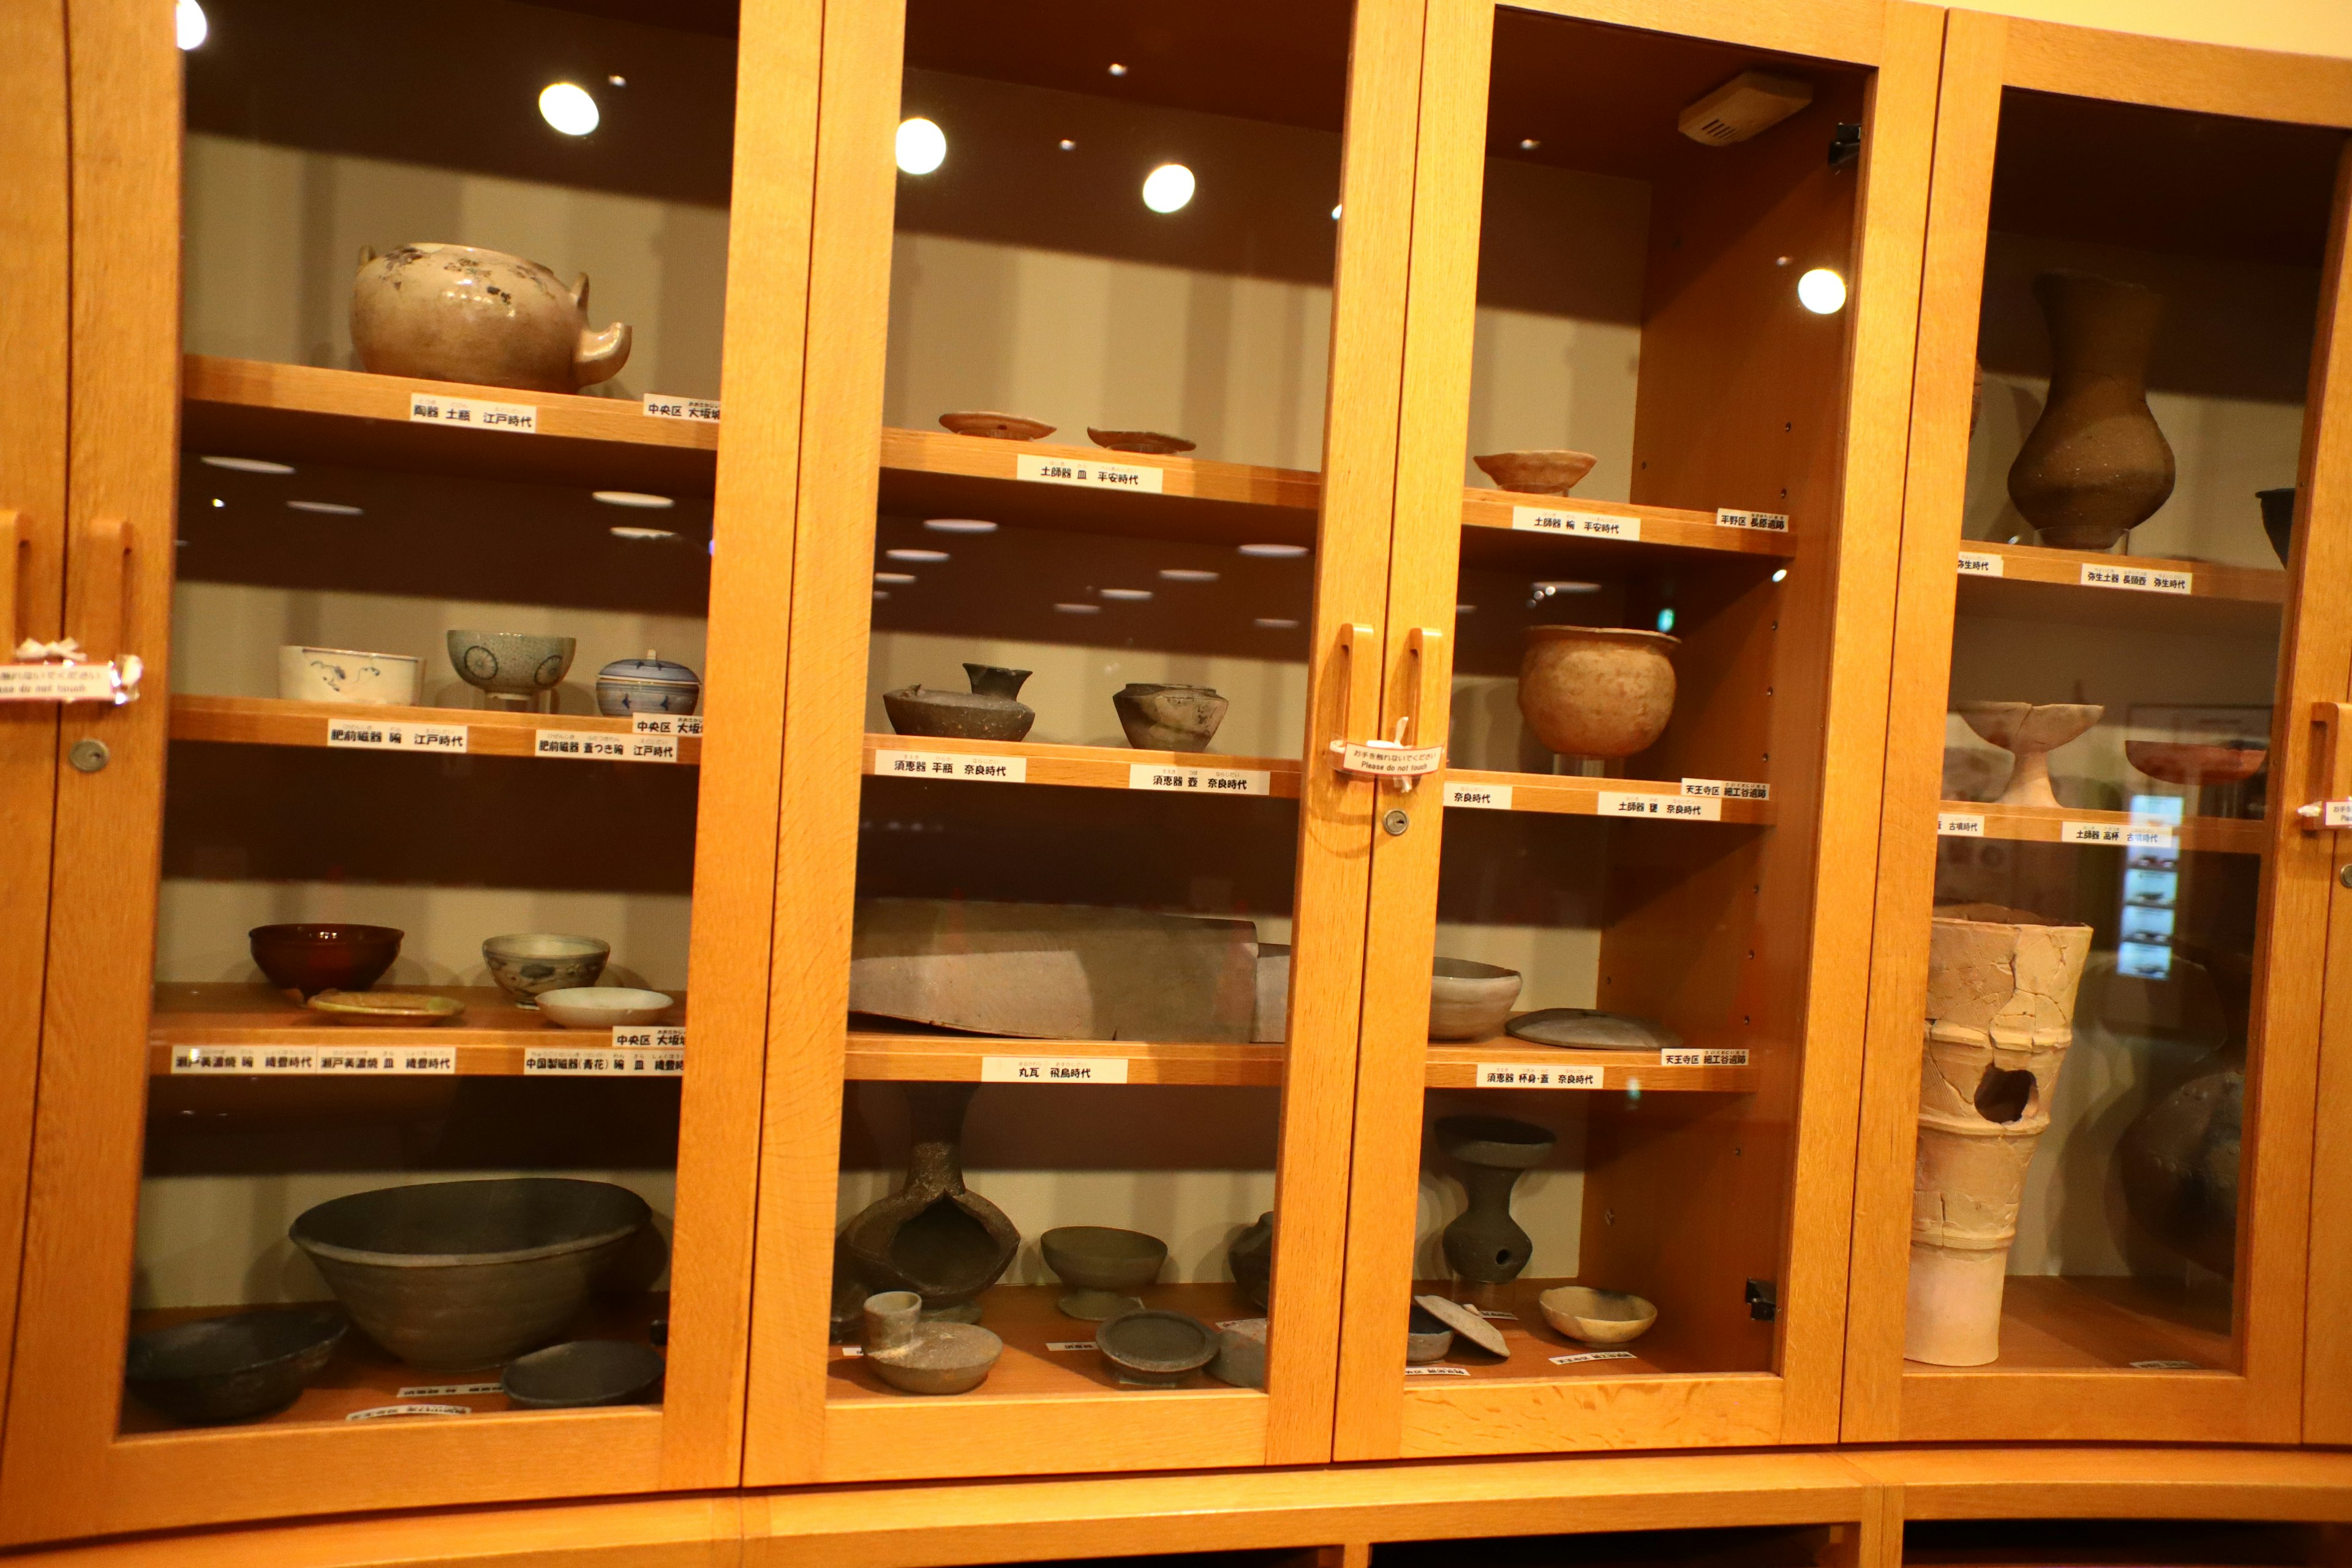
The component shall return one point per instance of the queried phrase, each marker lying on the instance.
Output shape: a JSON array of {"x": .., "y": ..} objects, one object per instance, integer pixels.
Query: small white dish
[
  {"x": 603, "y": 1006},
  {"x": 344, "y": 675}
]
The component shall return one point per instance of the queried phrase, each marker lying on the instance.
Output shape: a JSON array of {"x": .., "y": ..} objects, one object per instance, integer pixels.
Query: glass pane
[{"x": 429, "y": 830}]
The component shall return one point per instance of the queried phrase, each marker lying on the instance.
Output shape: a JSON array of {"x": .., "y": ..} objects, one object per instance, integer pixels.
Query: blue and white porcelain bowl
[
  {"x": 649, "y": 685},
  {"x": 511, "y": 664}
]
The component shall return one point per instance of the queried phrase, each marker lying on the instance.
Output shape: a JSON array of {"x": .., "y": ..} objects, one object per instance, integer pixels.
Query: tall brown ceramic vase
[
  {"x": 2001, "y": 1014},
  {"x": 2094, "y": 465},
  {"x": 933, "y": 1236}
]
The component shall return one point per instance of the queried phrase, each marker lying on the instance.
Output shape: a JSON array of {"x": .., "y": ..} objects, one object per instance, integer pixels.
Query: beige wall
[{"x": 2295, "y": 26}]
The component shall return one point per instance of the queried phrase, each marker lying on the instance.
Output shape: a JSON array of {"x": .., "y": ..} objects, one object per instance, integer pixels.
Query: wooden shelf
[
  {"x": 2037, "y": 584},
  {"x": 491, "y": 1038},
  {"x": 1455, "y": 1065},
  {"x": 2047, "y": 825},
  {"x": 297, "y": 414},
  {"x": 2059, "y": 1323},
  {"x": 1489, "y": 538},
  {"x": 276, "y": 721},
  {"x": 1670, "y": 1348},
  {"x": 1571, "y": 796},
  {"x": 1090, "y": 767}
]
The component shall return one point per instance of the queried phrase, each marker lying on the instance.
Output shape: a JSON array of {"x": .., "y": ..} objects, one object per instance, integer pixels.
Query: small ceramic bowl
[
  {"x": 231, "y": 1368},
  {"x": 1552, "y": 473},
  {"x": 1156, "y": 1350},
  {"x": 2184, "y": 762},
  {"x": 344, "y": 675},
  {"x": 1470, "y": 1001},
  {"x": 527, "y": 963},
  {"x": 1597, "y": 1316},
  {"x": 1105, "y": 1265},
  {"x": 998, "y": 426},
  {"x": 649, "y": 685},
  {"x": 603, "y": 1006},
  {"x": 415, "y": 1008},
  {"x": 511, "y": 664},
  {"x": 583, "y": 1372},
  {"x": 311, "y": 958},
  {"x": 1426, "y": 1336}
]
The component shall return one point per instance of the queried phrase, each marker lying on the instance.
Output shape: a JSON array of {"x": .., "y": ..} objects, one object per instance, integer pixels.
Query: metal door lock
[
  {"x": 2344, "y": 875},
  {"x": 89, "y": 756},
  {"x": 1395, "y": 823}
]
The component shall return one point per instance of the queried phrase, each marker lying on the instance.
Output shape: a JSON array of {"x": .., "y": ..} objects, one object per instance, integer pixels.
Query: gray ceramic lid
[
  {"x": 1590, "y": 1030},
  {"x": 1467, "y": 1324}
]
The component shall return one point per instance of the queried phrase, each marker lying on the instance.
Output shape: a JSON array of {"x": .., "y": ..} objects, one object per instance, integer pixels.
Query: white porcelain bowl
[
  {"x": 603, "y": 1006},
  {"x": 346, "y": 675}
]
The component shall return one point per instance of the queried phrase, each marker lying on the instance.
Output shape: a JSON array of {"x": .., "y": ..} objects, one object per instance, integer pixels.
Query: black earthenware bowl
[{"x": 234, "y": 1368}]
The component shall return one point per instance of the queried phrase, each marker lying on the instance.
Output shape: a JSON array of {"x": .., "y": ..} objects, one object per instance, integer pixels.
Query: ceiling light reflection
[
  {"x": 567, "y": 107},
  {"x": 638, "y": 498},
  {"x": 958, "y": 525},
  {"x": 250, "y": 465},
  {"x": 1168, "y": 188},
  {"x": 922, "y": 145}
]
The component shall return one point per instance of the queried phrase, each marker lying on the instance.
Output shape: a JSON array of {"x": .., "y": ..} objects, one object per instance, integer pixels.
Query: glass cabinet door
[
  {"x": 380, "y": 1146},
  {"x": 1661, "y": 305},
  {"x": 1105, "y": 325},
  {"x": 2094, "y": 1030}
]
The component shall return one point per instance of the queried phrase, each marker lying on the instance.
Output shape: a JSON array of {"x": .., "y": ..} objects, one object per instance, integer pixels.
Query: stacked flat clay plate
[{"x": 410, "y": 1007}]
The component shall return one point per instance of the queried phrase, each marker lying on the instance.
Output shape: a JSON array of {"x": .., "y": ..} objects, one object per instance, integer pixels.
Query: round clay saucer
[
  {"x": 1147, "y": 441},
  {"x": 411, "y": 1007},
  {"x": 1154, "y": 1349},
  {"x": 1552, "y": 473},
  {"x": 583, "y": 1372},
  {"x": 942, "y": 1358},
  {"x": 1597, "y": 1316},
  {"x": 2182, "y": 762},
  {"x": 1466, "y": 1324},
  {"x": 1585, "y": 1030},
  {"x": 996, "y": 426},
  {"x": 1426, "y": 1336}
]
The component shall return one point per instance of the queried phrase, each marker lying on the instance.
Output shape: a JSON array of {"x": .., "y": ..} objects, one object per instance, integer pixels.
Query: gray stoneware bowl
[
  {"x": 454, "y": 1275},
  {"x": 525, "y": 963},
  {"x": 1107, "y": 1265},
  {"x": 232, "y": 1368},
  {"x": 1156, "y": 1350},
  {"x": 583, "y": 1372},
  {"x": 1470, "y": 1001},
  {"x": 511, "y": 664}
]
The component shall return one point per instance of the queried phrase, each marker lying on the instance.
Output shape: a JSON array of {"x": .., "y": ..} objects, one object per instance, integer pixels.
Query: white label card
[
  {"x": 1437, "y": 1371},
  {"x": 1536, "y": 1075},
  {"x": 1591, "y": 1355},
  {"x": 373, "y": 735},
  {"x": 1689, "y": 1056},
  {"x": 667, "y": 724},
  {"x": 1199, "y": 781},
  {"x": 1961, "y": 823},
  {"x": 2166, "y": 1366},
  {"x": 1982, "y": 563},
  {"x": 243, "y": 1061},
  {"x": 1769, "y": 522},
  {"x": 1498, "y": 1317},
  {"x": 444, "y": 1390},
  {"x": 1727, "y": 789},
  {"x": 1389, "y": 761},
  {"x": 1053, "y": 1069},
  {"x": 2141, "y": 578},
  {"x": 1554, "y": 520},
  {"x": 600, "y": 1061},
  {"x": 590, "y": 745},
  {"x": 702, "y": 409},
  {"x": 381, "y": 1412},
  {"x": 57, "y": 683},
  {"x": 650, "y": 1036},
  {"x": 1684, "y": 808},
  {"x": 951, "y": 765},
  {"x": 2336, "y": 814},
  {"x": 1141, "y": 478},
  {"x": 1069, "y": 1344},
  {"x": 2115, "y": 833},
  {"x": 474, "y": 413},
  {"x": 1480, "y": 797}
]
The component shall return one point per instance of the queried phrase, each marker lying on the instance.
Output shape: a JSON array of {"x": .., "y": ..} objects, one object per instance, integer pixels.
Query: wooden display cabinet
[
  {"x": 162, "y": 1172},
  {"x": 1623, "y": 289},
  {"x": 2156, "y": 1289}
]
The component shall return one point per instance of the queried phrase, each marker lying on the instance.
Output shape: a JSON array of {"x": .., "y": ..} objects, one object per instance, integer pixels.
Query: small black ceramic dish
[
  {"x": 1156, "y": 1350},
  {"x": 213, "y": 1370},
  {"x": 1426, "y": 1336},
  {"x": 584, "y": 1371}
]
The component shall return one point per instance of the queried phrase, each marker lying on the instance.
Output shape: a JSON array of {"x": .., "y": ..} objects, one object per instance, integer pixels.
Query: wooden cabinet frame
[
  {"x": 67, "y": 1471},
  {"x": 1842, "y": 613},
  {"x": 2258, "y": 1402}
]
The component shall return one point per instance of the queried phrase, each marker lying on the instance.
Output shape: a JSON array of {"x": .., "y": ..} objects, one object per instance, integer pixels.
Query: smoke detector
[{"x": 1749, "y": 102}]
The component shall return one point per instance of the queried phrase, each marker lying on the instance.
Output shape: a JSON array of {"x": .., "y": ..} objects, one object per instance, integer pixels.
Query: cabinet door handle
[
  {"x": 11, "y": 578},
  {"x": 109, "y": 545},
  {"x": 1357, "y": 643},
  {"x": 1427, "y": 646}
]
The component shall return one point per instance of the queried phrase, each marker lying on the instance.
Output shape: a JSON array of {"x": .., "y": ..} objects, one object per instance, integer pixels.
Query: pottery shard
[{"x": 1055, "y": 971}]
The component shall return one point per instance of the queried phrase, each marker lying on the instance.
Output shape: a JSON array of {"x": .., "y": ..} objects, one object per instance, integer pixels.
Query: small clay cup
[
  {"x": 311, "y": 958},
  {"x": 1107, "y": 1265}
]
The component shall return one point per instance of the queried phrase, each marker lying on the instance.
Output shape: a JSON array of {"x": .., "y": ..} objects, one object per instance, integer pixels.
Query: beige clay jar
[
  {"x": 1597, "y": 691},
  {"x": 454, "y": 312}
]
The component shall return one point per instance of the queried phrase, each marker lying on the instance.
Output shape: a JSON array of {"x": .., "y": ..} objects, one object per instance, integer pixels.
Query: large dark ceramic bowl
[
  {"x": 583, "y": 1372},
  {"x": 233, "y": 1368},
  {"x": 453, "y": 1275},
  {"x": 329, "y": 957}
]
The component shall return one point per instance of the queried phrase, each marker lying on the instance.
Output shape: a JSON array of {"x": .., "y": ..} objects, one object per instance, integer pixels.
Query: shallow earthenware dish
[
  {"x": 1551, "y": 473},
  {"x": 581, "y": 1373},
  {"x": 649, "y": 685},
  {"x": 1582, "y": 1028},
  {"x": 2183, "y": 762},
  {"x": 603, "y": 1006},
  {"x": 1470, "y": 1001},
  {"x": 1107, "y": 1265},
  {"x": 1426, "y": 1336},
  {"x": 454, "y": 1275},
  {"x": 1597, "y": 691},
  {"x": 940, "y": 1358},
  {"x": 347, "y": 675},
  {"x": 511, "y": 664},
  {"x": 996, "y": 426},
  {"x": 1160, "y": 718},
  {"x": 231, "y": 1368},
  {"x": 416, "y": 1009},
  {"x": 1153, "y": 1349},
  {"x": 1597, "y": 1316},
  {"x": 1150, "y": 442},
  {"x": 1466, "y": 1324},
  {"x": 324, "y": 956},
  {"x": 528, "y": 963}
]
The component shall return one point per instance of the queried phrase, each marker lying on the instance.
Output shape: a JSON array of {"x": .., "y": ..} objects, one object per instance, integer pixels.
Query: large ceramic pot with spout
[{"x": 456, "y": 313}]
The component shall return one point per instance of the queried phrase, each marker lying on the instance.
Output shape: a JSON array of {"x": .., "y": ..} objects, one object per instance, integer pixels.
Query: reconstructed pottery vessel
[
  {"x": 933, "y": 1236},
  {"x": 649, "y": 685},
  {"x": 1485, "y": 1244},
  {"x": 1551, "y": 473},
  {"x": 2095, "y": 465},
  {"x": 456, "y": 313},
  {"x": 991, "y": 711},
  {"x": 511, "y": 664},
  {"x": 1597, "y": 1316},
  {"x": 312, "y": 957},
  {"x": 1597, "y": 691},
  {"x": 996, "y": 426},
  {"x": 231, "y": 1368},
  {"x": 1470, "y": 1001},
  {"x": 2001, "y": 1014},
  {"x": 1169, "y": 718},
  {"x": 2178, "y": 1159},
  {"x": 918, "y": 1357},
  {"x": 1249, "y": 1257},
  {"x": 344, "y": 675},
  {"x": 1582, "y": 1028},
  {"x": 583, "y": 1373},
  {"x": 2278, "y": 520},
  {"x": 1107, "y": 1266},
  {"x": 1153, "y": 1349},
  {"x": 2030, "y": 732},
  {"x": 1147, "y": 441},
  {"x": 525, "y": 963},
  {"x": 1467, "y": 1325}
]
